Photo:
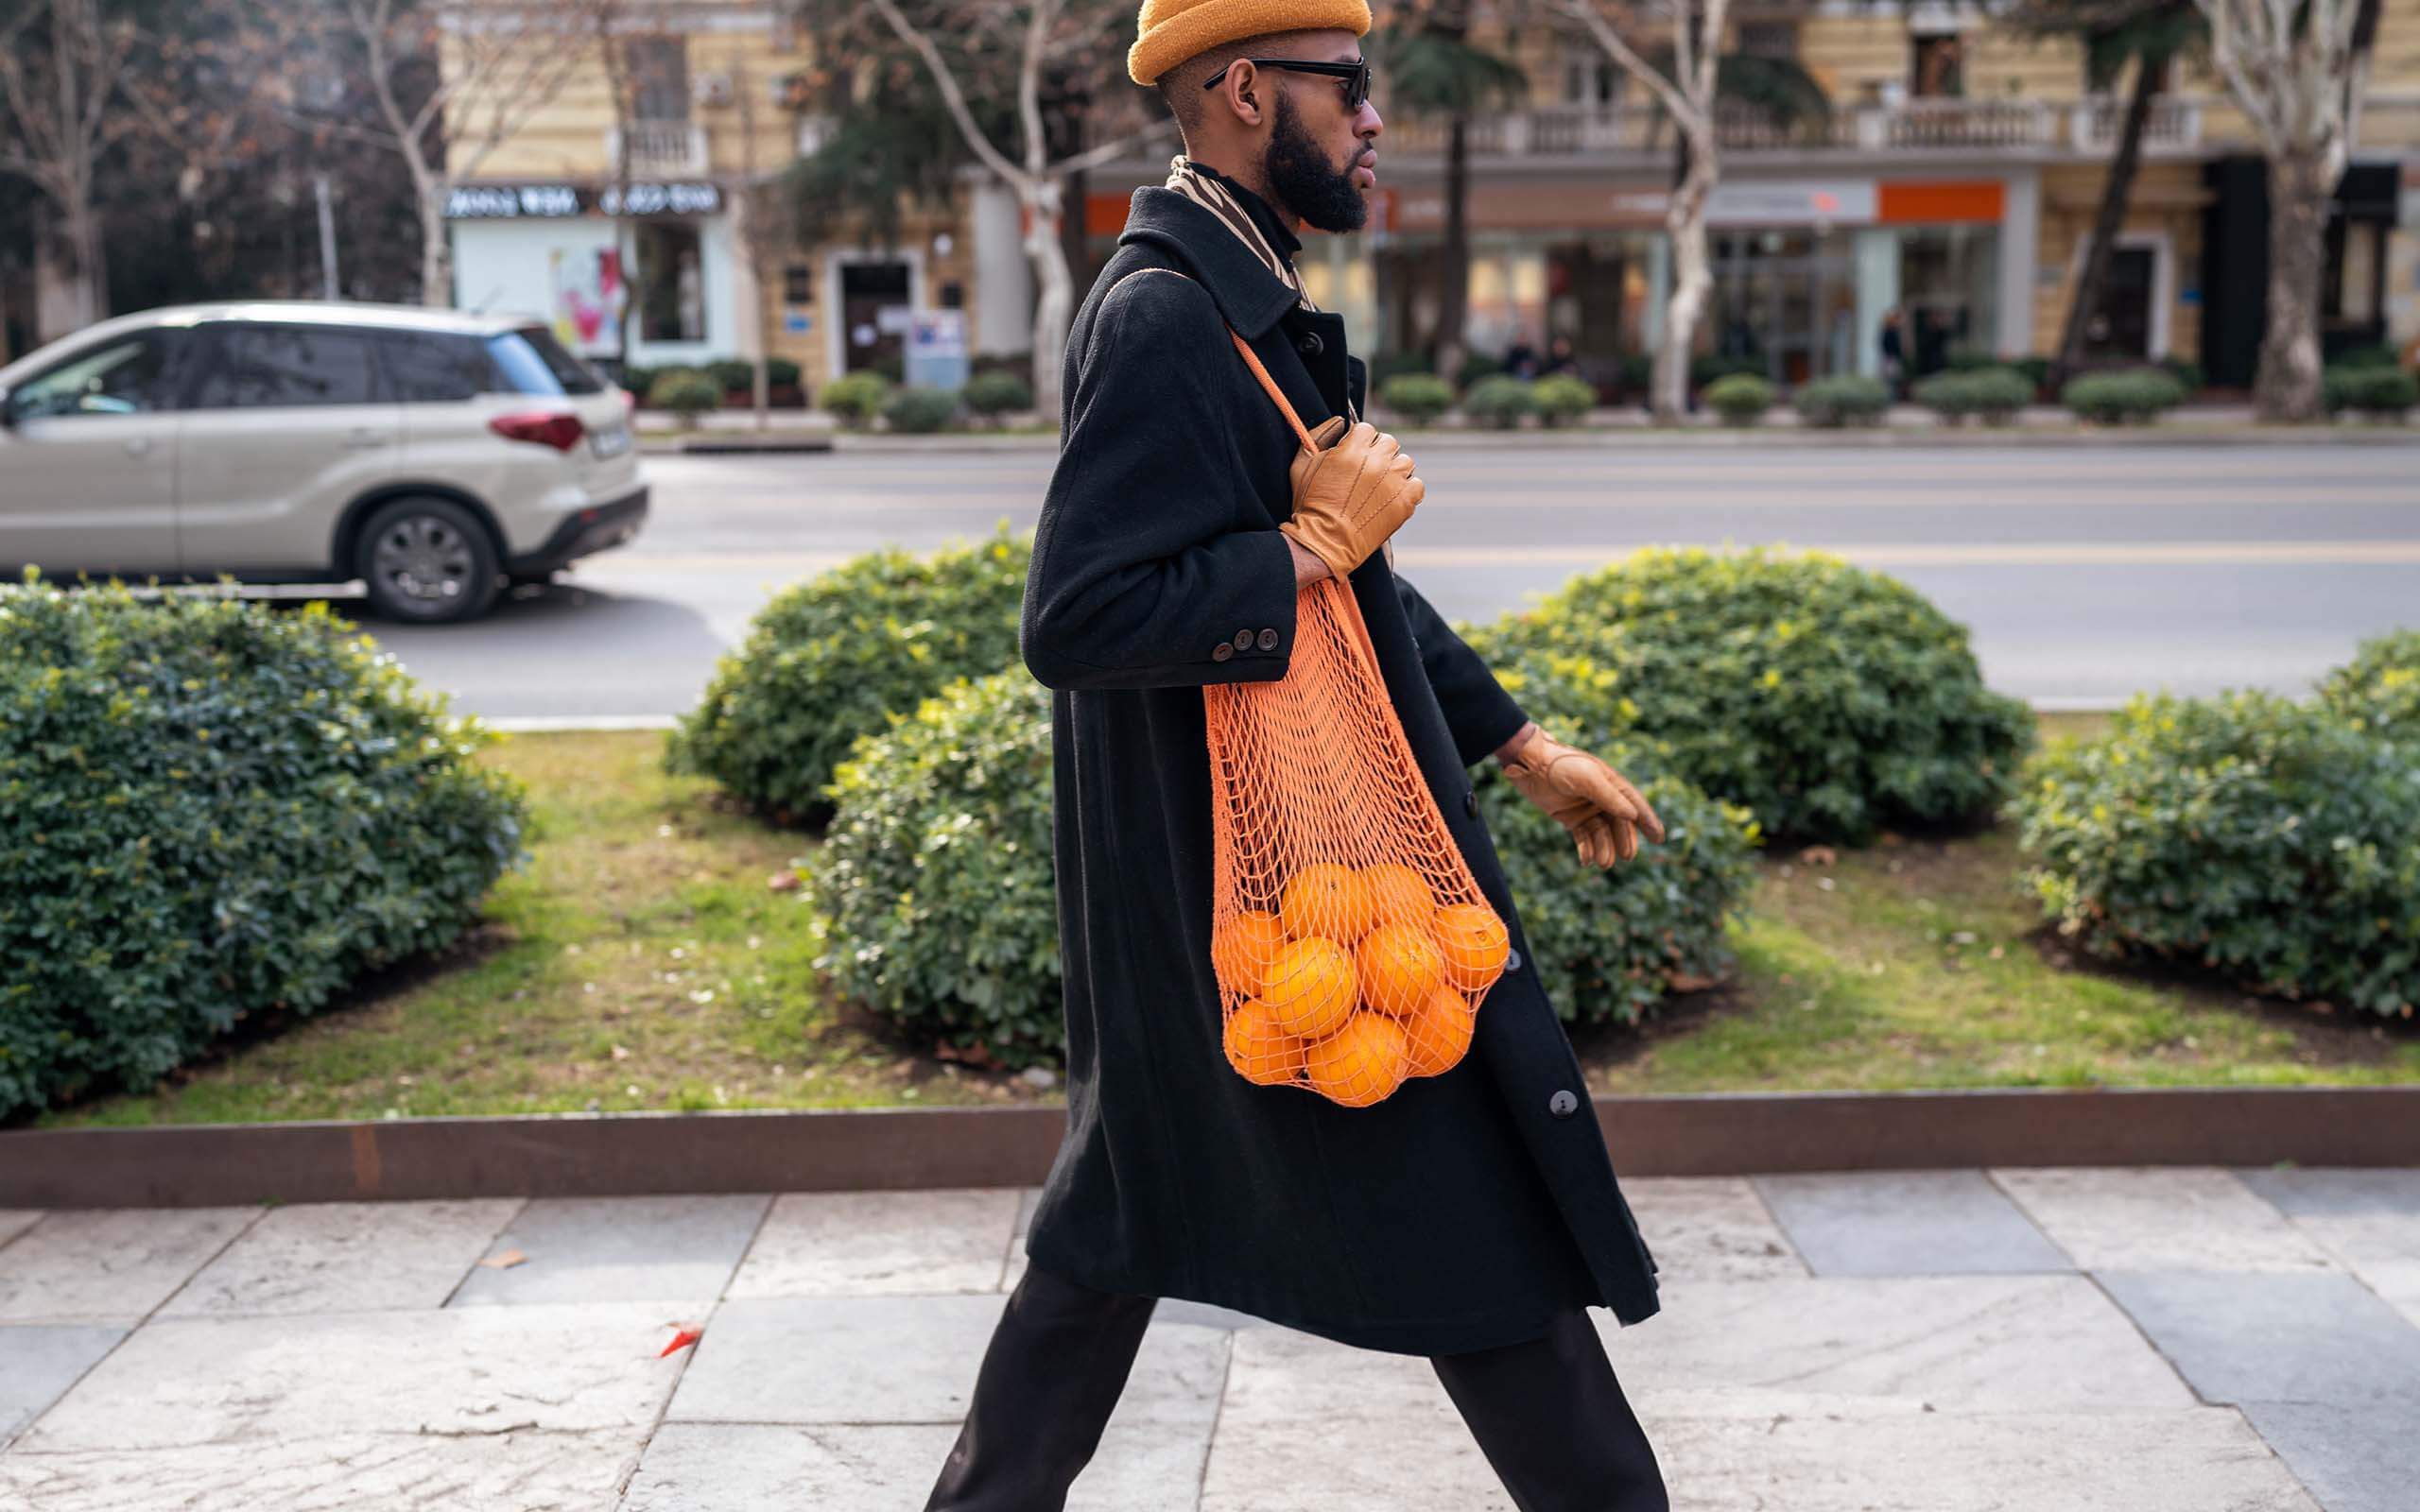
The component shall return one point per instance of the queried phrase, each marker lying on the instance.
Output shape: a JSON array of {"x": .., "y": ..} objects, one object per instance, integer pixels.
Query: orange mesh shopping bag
[{"x": 1350, "y": 942}]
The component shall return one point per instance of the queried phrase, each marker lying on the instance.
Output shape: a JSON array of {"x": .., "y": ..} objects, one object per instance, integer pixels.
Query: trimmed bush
[
  {"x": 210, "y": 809},
  {"x": 992, "y": 395},
  {"x": 1562, "y": 396},
  {"x": 2379, "y": 392},
  {"x": 919, "y": 411},
  {"x": 2137, "y": 397},
  {"x": 855, "y": 397},
  {"x": 1609, "y": 944},
  {"x": 2036, "y": 371},
  {"x": 1996, "y": 394},
  {"x": 932, "y": 892},
  {"x": 2186, "y": 372},
  {"x": 1706, "y": 371},
  {"x": 835, "y": 657},
  {"x": 1740, "y": 398},
  {"x": 685, "y": 391},
  {"x": 1418, "y": 397},
  {"x": 732, "y": 375},
  {"x": 779, "y": 373},
  {"x": 2251, "y": 835},
  {"x": 1830, "y": 700},
  {"x": 2370, "y": 356},
  {"x": 1847, "y": 398},
  {"x": 1477, "y": 369},
  {"x": 2378, "y": 691},
  {"x": 1500, "y": 401}
]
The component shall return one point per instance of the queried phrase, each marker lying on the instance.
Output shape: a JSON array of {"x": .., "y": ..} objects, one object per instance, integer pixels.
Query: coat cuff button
[
  {"x": 1269, "y": 640},
  {"x": 1563, "y": 1104},
  {"x": 1221, "y": 651},
  {"x": 1243, "y": 640}
]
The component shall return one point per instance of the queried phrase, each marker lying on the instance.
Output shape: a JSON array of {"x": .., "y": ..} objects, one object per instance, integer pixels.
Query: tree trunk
[
  {"x": 1453, "y": 303},
  {"x": 1692, "y": 280},
  {"x": 1048, "y": 254},
  {"x": 2287, "y": 387},
  {"x": 435, "y": 257},
  {"x": 2115, "y": 190}
]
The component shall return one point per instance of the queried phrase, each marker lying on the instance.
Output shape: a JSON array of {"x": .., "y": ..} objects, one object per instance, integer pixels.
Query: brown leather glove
[
  {"x": 1595, "y": 803},
  {"x": 1351, "y": 494}
]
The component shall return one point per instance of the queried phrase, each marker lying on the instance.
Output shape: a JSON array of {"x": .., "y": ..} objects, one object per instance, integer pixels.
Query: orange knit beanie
[{"x": 1167, "y": 32}]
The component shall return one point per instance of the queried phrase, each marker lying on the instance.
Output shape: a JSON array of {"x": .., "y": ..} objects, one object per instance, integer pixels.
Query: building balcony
[
  {"x": 1547, "y": 133},
  {"x": 665, "y": 149}
]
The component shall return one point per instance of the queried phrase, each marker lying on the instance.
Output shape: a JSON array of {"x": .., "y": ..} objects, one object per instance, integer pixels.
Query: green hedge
[
  {"x": 2119, "y": 397},
  {"x": 1847, "y": 398},
  {"x": 1418, "y": 397},
  {"x": 2259, "y": 837},
  {"x": 919, "y": 411},
  {"x": 932, "y": 892},
  {"x": 2381, "y": 391},
  {"x": 855, "y": 397},
  {"x": 685, "y": 391},
  {"x": 834, "y": 658},
  {"x": 1561, "y": 397},
  {"x": 1500, "y": 401},
  {"x": 1829, "y": 701},
  {"x": 1995, "y": 394},
  {"x": 210, "y": 809},
  {"x": 1740, "y": 398},
  {"x": 2378, "y": 691},
  {"x": 995, "y": 394}
]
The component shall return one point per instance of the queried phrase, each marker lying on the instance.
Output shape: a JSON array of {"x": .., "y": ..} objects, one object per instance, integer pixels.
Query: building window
[
  {"x": 1768, "y": 39},
  {"x": 659, "y": 77},
  {"x": 672, "y": 282},
  {"x": 2352, "y": 280},
  {"x": 1592, "y": 81},
  {"x": 1935, "y": 70},
  {"x": 798, "y": 284},
  {"x": 953, "y": 296}
]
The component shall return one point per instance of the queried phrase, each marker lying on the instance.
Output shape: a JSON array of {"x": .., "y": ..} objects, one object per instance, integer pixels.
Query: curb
[
  {"x": 1627, "y": 436},
  {"x": 1702, "y": 1134}
]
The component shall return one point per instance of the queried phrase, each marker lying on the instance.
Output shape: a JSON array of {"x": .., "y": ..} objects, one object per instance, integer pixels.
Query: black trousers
[{"x": 1546, "y": 1413}]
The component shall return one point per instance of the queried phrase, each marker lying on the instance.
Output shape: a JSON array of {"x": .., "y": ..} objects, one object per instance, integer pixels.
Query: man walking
[{"x": 1471, "y": 1218}]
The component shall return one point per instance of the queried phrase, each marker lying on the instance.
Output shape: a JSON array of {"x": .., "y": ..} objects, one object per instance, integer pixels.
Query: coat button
[
  {"x": 1221, "y": 651},
  {"x": 1243, "y": 640},
  {"x": 1470, "y": 801},
  {"x": 1310, "y": 344},
  {"x": 1269, "y": 640},
  {"x": 1563, "y": 1104},
  {"x": 1511, "y": 960}
]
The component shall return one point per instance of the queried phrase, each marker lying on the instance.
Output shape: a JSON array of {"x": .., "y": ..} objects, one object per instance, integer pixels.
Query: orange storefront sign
[{"x": 1934, "y": 203}]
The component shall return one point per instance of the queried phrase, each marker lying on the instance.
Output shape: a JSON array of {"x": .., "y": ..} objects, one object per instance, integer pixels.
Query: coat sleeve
[
  {"x": 1481, "y": 716},
  {"x": 1139, "y": 577}
]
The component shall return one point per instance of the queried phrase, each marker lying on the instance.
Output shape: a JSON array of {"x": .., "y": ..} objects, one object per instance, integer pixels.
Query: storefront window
[
  {"x": 1949, "y": 285},
  {"x": 672, "y": 302},
  {"x": 1786, "y": 299}
]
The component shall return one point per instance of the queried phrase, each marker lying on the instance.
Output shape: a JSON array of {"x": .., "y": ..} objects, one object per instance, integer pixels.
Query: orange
[
  {"x": 1327, "y": 900},
  {"x": 1399, "y": 967},
  {"x": 1474, "y": 943},
  {"x": 1259, "y": 1049},
  {"x": 1400, "y": 894},
  {"x": 1310, "y": 986},
  {"x": 1361, "y": 1062},
  {"x": 1440, "y": 1032},
  {"x": 1243, "y": 949}
]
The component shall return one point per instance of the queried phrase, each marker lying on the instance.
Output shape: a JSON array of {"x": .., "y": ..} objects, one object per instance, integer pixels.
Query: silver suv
[{"x": 432, "y": 456}]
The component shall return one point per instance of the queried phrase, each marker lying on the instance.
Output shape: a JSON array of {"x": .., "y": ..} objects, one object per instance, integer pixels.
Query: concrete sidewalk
[{"x": 2178, "y": 1339}]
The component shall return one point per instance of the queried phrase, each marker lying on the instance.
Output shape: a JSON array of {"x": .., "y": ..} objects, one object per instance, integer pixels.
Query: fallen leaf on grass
[{"x": 782, "y": 882}]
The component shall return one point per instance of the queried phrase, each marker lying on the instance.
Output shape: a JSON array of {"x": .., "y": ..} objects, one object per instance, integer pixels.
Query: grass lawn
[{"x": 643, "y": 961}]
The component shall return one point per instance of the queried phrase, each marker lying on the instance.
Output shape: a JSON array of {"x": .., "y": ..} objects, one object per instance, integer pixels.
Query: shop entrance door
[
  {"x": 870, "y": 338},
  {"x": 2121, "y": 324},
  {"x": 1783, "y": 298}
]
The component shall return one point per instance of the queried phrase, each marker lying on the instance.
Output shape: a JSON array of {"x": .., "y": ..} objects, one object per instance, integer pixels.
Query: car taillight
[{"x": 561, "y": 432}]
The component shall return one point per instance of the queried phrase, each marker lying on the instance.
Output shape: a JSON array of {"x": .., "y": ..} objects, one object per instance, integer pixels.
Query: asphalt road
[{"x": 2084, "y": 573}]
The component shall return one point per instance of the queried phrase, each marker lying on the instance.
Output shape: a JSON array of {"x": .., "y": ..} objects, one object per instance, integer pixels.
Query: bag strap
[{"x": 1252, "y": 360}]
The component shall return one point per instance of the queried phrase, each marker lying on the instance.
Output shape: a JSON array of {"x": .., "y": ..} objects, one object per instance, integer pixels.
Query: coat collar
[{"x": 1249, "y": 297}]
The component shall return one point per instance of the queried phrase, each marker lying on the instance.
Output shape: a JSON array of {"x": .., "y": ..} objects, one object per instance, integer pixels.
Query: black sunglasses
[{"x": 1355, "y": 91}]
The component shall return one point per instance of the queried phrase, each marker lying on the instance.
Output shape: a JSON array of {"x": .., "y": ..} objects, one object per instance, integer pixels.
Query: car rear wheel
[{"x": 427, "y": 561}]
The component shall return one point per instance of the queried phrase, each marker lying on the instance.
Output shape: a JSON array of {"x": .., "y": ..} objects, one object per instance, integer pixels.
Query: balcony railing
[
  {"x": 1594, "y": 130},
  {"x": 661, "y": 147}
]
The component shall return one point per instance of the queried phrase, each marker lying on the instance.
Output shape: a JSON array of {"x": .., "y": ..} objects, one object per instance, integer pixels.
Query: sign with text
[{"x": 515, "y": 201}]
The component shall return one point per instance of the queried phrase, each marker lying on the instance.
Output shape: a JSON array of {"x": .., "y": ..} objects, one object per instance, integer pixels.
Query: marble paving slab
[
  {"x": 679, "y": 1249},
  {"x": 2158, "y": 1218},
  {"x": 109, "y": 1264},
  {"x": 345, "y": 1257},
  {"x": 865, "y": 1243},
  {"x": 1906, "y": 1223}
]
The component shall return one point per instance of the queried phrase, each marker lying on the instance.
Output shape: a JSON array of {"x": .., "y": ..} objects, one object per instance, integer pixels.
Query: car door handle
[{"x": 362, "y": 440}]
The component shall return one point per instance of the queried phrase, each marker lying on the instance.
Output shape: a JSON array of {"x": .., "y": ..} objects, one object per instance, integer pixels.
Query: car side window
[
  {"x": 121, "y": 377},
  {"x": 429, "y": 367},
  {"x": 257, "y": 367}
]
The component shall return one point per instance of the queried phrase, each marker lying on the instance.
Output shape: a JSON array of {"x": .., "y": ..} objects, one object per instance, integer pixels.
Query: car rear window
[{"x": 533, "y": 362}]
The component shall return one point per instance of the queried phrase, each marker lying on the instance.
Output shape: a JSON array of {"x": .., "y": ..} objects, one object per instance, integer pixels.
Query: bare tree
[
  {"x": 1688, "y": 95},
  {"x": 1033, "y": 33},
  {"x": 63, "y": 104},
  {"x": 2298, "y": 70},
  {"x": 486, "y": 70},
  {"x": 763, "y": 234}
]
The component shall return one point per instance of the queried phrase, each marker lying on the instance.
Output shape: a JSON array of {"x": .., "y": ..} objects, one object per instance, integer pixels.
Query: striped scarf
[{"x": 1198, "y": 185}]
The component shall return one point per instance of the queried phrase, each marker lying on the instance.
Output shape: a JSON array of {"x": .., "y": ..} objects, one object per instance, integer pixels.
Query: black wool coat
[{"x": 1465, "y": 1209}]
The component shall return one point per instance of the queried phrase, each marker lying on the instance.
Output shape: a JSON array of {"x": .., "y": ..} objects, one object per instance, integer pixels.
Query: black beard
[{"x": 1299, "y": 176}]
